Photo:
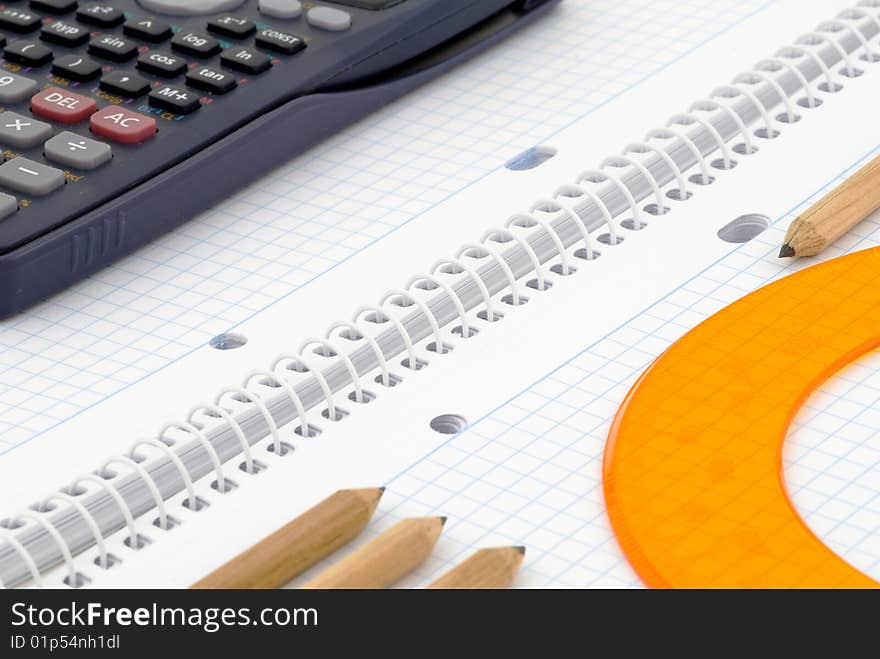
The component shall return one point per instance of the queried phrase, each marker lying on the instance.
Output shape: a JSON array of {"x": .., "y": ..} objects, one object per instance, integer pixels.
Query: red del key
[
  {"x": 63, "y": 106},
  {"x": 122, "y": 125}
]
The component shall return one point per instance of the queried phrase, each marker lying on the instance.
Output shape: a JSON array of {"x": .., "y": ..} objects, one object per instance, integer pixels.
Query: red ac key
[
  {"x": 63, "y": 106},
  {"x": 123, "y": 125}
]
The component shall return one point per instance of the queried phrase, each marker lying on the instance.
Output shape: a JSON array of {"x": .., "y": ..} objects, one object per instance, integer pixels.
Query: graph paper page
[
  {"x": 347, "y": 195},
  {"x": 540, "y": 387}
]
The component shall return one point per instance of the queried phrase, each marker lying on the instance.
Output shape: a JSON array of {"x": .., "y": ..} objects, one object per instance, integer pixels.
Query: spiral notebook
[{"x": 517, "y": 313}]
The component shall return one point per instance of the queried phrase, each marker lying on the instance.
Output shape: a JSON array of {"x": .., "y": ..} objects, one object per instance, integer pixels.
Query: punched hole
[
  {"x": 855, "y": 73},
  {"x": 366, "y": 397},
  {"x": 199, "y": 504},
  {"x": 744, "y": 150},
  {"x": 744, "y": 228},
  {"x": 679, "y": 195},
  {"x": 591, "y": 256},
  {"x": 724, "y": 166},
  {"x": 458, "y": 330},
  {"x": 783, "y": 118},
  {"x": 559, "y": 270},
  {"x": 654, "y": 209},
  {"x": 418, "y": 366},
  {"x": 805, "y": 102},
  {"x": 494, "y": 318},
  {"x": 170, "y": 523},
  {"x": 228, "y": 341},
  {"x": 630, "y": 225},
  {"x": 530, "y": 158},
  {"x": 393, "y": 380},
  {"x": 140, "y": 541},
  {"x": 443, "y": 348},
  {"x": 77, "y": 580},
  {"x": 508, "y": 299},
  {"x": 338, "y": 416},
  {"x": 110, "y": 561},
  {"x": 283, "y": 448},
  {"x": 611, "y": 241},
  {"x": 699, "y": 179},
  {"x": 311, "y": 431},
  {"x": 257, "y": 467},
  {"x": 767, "y": 134},
  {"x": 539, "y": 286},
  {"x": 228, "y": 486},
  {"x": 448, "y": 424},
  {"x": 830, "y": 89}
]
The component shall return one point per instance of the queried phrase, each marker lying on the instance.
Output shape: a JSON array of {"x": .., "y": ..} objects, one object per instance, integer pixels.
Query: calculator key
[
  {"x": 328, "y": 18},
  {"x": 76, "y": 67},
  {"x": 232, "y": 26},
  {"x": 175, "y": 100},
  {"x": 66, "y": 34},
  {"x": 211, "y": 80},
  {"x": 22, "y": 132},
  {"x": 112, "y": 47},
  {"x": 19, "y": 20},
  {"x": 72, "y": 150},
  {"x": 121, "y": 125},
  {"x": 63, "y": 106},
  {"x": 162, "y": 64},
  {"x": 54, "y": 6},
  {"x": 29, "y": 53},
  {"x": 194, "y": 43},
  {"x": 15, "y": 88},
  {"x": 29, "y": 177},
  {"x": 282, "y": 42},
  {"x": 8, "y": 205},
  {"x": 148, "y": 29},
  {"x": 280, "y": 8},
  {"x": 124, "y": 83},
  {"x": 100, "y": 14},
  {"x": 243, "y": 59}
]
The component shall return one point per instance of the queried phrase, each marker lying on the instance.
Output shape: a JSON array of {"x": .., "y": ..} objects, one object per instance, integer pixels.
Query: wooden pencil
[
  {"x": 495, "y": 567},
  {"x": 835, "y": 214},
  {"x": 300, "y": 544},
  {"x": 385, "y": 560}
]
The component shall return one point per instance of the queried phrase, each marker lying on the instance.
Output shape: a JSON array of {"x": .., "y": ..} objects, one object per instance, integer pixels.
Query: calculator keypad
[{"x": 86, "y": 88}]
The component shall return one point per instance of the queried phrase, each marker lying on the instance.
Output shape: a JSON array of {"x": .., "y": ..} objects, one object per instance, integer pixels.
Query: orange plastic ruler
[{"x": 693, "y": 467}]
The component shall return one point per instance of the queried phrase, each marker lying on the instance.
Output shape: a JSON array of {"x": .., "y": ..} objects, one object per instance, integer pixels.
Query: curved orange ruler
[{"x": 693, "y": 466}]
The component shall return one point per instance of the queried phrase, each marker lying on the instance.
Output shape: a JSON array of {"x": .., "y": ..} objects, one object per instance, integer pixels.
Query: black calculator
[{"x": 120, "y": 120}]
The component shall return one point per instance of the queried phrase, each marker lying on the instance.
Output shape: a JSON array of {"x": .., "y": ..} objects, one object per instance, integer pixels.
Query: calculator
[{"x": 120, "y": 120}]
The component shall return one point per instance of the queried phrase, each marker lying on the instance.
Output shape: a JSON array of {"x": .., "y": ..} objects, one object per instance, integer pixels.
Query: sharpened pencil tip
[
  {"x": 786, "y": 252},
  {"x": 381, "y": 490},
  {"x": 521, "y": 550},
  {"x": 442, "y": 520}
]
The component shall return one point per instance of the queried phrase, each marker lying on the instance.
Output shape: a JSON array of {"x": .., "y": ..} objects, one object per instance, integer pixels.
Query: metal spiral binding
[{"x": 481, "y": 278}]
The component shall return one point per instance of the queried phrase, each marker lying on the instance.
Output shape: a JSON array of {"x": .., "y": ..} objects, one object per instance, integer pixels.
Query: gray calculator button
[
  {"x": 29, "y": 177},
  {"x": 14, "y": 89},
  {"x": 190, "y": 7},
  {"x": 72, "y": 150},
  {"x": 22, "y": 132},
  {"x": 281, "y": 8},
  {"x": 327, "y": 18},
  {"x": 8, "y": 205}
]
